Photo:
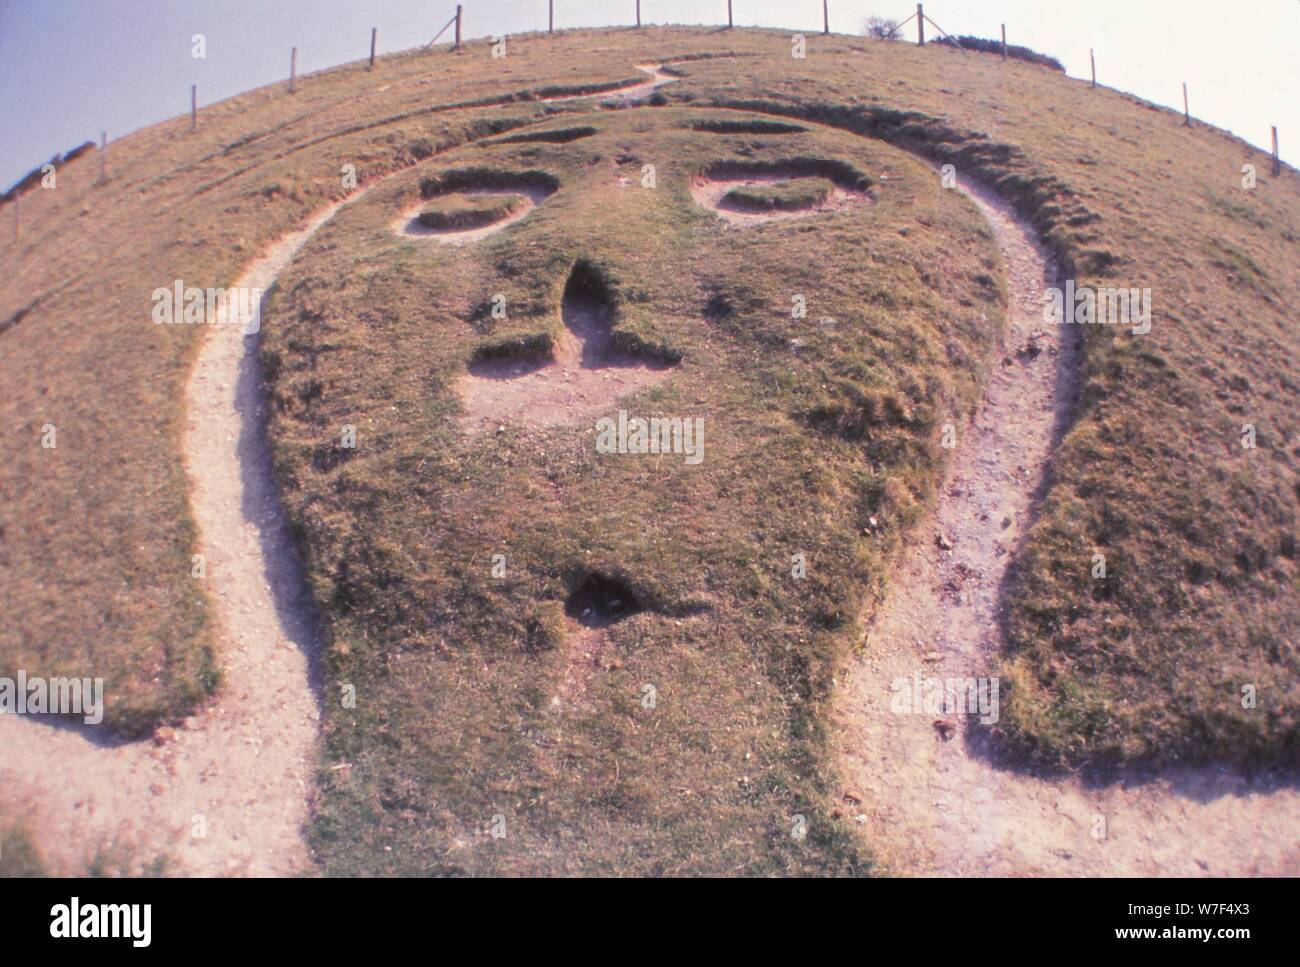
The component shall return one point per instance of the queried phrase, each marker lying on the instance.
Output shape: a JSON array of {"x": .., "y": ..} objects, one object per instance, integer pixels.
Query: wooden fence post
[
  {"x": 920, "y": 26},
  {"x": 638, "y": 13},
  {"x": 1277, "y": 161},
  {"x": 550, "y": 11},
  {"x": 826, "y": 17},
  {"x": 729, "y": 14},
  {"x": 103, "y": 157},
  {"x": 457, "y": 44},
  {"x": 194, "y": 106},
  {"x": 374, "y": 32},
  {"x": 1004, "y": 41},
  {"x": 293, "y": 68},
  {"x": 1187, "y": 115},
  {"x": 1092, "y": 59}
]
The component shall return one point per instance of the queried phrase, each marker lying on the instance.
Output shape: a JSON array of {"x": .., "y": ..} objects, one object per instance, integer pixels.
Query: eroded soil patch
[{"x": 599, "y": 600}]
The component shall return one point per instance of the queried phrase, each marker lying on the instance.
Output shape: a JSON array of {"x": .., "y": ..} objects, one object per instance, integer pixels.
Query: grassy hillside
[{"x": 810, "y": 431}]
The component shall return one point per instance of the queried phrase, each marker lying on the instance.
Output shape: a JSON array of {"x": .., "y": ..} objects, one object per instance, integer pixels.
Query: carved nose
[{"x": 587, "y": 310}]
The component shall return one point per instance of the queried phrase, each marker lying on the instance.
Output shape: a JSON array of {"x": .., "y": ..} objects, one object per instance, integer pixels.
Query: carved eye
[
  {"x": 466, "y": 204},
  {"x": 755, "y": 191}
]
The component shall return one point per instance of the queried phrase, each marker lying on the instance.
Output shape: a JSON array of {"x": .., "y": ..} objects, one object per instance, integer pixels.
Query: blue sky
[{"x": 71, "y": 68}]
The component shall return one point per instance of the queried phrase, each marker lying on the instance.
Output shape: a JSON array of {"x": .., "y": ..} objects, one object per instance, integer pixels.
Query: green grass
[
  {"x": 19, "y": 856},
  {"x": 780, "y": 196},
  {"x": 459, "y": 211},
  {"x": 96, "y": 535}
]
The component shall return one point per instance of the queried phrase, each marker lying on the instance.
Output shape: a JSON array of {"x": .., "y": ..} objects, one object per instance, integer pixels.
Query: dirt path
[
  {"x": 238, "y": 772},
  {"x": 927, "y": 799},
  {"x": 637, "y": 92}
]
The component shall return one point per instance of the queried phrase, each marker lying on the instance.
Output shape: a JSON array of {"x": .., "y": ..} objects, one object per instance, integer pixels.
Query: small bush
[
  {"x": 881, "y": 28},
  {"x": 30, "y": 180}
]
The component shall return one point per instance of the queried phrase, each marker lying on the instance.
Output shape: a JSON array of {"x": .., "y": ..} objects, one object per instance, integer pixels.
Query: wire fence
[
  {"x": 806, "y": 16},
  {"x": 450, "y": 25}
]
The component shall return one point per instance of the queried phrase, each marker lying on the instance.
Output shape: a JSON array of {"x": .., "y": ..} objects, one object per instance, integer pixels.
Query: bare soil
[{"x": 638, "y": 92}]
